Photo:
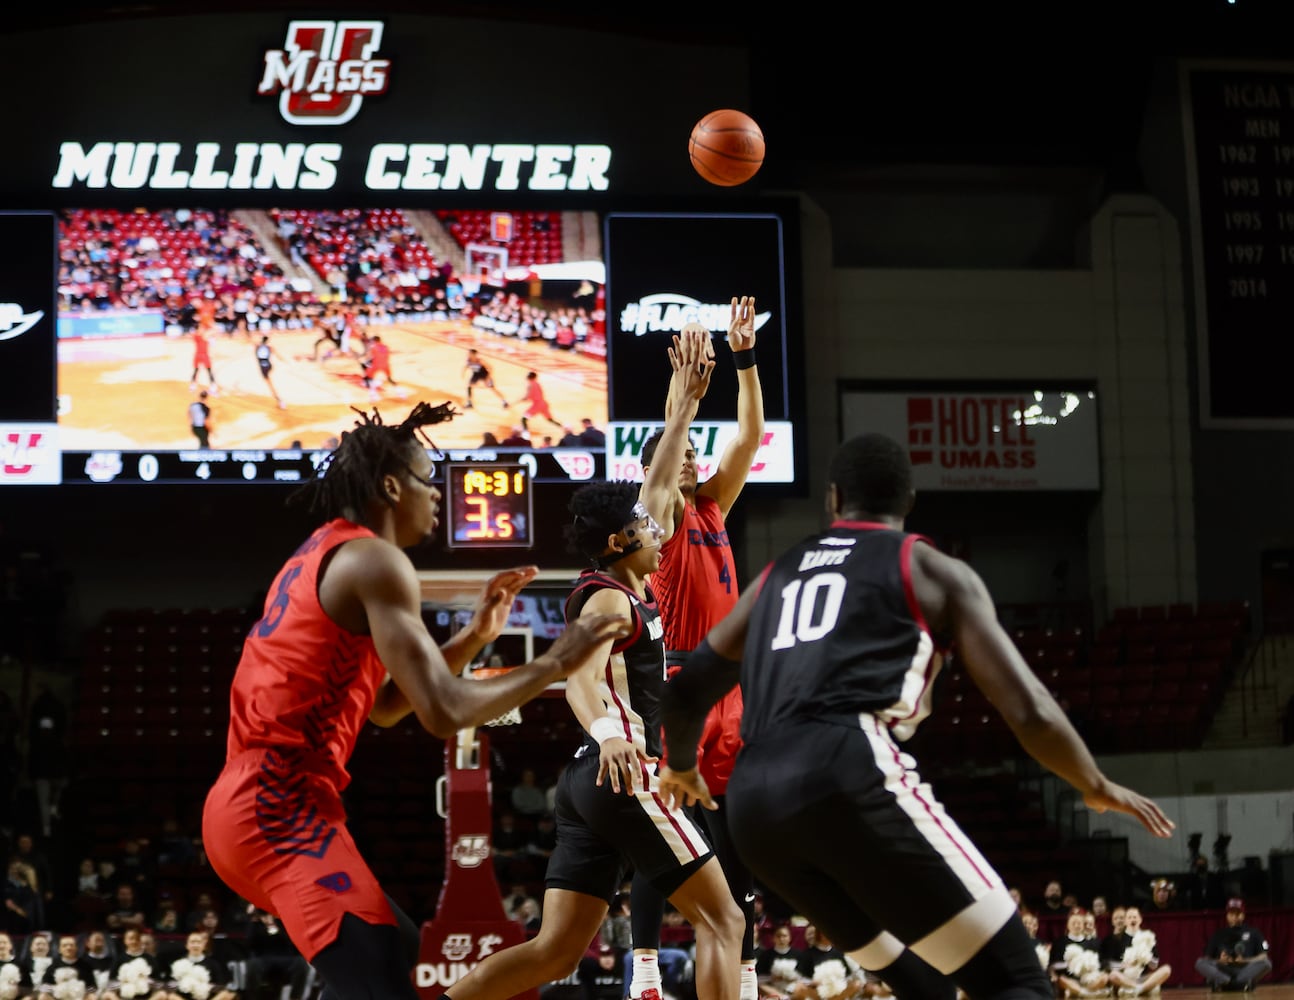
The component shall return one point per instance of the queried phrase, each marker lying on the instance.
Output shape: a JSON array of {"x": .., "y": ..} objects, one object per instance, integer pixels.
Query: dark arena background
[{"x": 1058, "y": 267}]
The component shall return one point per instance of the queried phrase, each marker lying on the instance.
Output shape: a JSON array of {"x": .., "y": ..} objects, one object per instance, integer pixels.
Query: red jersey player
[
  {"x": 342, "y": 642},
  {"x": 538, "y": 403},
  {"x": 695, "y": 587}
]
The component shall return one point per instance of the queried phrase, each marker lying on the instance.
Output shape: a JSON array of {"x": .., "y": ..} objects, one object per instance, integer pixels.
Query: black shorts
[
  {"x": 601, "y": 833},
  {"x": 836, "y": 821},
  {"x": 265, "y": 368}
]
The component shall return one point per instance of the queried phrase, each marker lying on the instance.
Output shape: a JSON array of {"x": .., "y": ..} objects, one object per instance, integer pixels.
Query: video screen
[
  {"x": 281, "y": 322},
  {"x": 217, "y": 344}
]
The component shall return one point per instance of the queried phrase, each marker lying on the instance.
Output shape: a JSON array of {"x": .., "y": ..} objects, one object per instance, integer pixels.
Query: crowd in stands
[{"x": 372, "y": 259}]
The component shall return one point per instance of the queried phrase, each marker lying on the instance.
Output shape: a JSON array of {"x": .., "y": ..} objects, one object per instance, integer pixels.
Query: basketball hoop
[{"x": 512, "y": 717}]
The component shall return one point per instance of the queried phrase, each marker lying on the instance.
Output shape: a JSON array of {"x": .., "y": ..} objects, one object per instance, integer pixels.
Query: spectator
[
  {"x": 273, "y": 958},
  {"x": 1163, "y": 894},
  {"x": 69, "y": 957},
  {"x": 1113, "y": 943},
  {"x": 167, "y": 918},
  {"x": 1237, "y": 954},
  {"x": 26, "y": 851},
  {"x": 513, "y": 900},
  {"x": 202, "y": 902},
  {"x": 511, "y": 863},
  {"x": 1053, "y": 898},
  {"x": 601, "y": 973},
  {"x": 100, "y": 956},
  {"x": 173, "y": 846},
  {"x": 528, "y": 799},
  {"x": 827, "y": 972},
  {"x": 22, "y": 903},
  {"x": 135, "y": 866},
  {"x": 135, "y": 970},
  {"x": 47, "y": 760},
  {"x": 126, "y": 912},
  {"x": 1041, "y": 947},
  {"x": 617, "y": 929},
  {"x": 1076, "y": 959},
  {"x": 198, "y": 974},
  {"x": 1139, "y": 968},
  {"x": 8, "y": 957},
  {"x": 777, "y": 969},
  {"x": 35, "y": 962}
]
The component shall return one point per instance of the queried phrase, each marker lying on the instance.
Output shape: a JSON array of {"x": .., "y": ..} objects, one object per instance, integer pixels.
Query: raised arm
[
  {"x": 690, "y": 379},
  {"x": 954, "y": 599},
  {"x": 734, "y": 465}
]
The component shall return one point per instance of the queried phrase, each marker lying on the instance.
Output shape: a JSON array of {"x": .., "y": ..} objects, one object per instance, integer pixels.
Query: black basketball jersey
[
  {"x": 837, "y": 631},
  {"x": 632, "y": 692}
]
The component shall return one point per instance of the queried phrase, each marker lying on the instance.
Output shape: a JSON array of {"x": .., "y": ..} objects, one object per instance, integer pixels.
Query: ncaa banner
[{"x": 986, "y": 440}]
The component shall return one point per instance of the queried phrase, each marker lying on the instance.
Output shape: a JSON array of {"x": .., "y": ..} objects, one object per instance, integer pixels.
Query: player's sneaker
[{"x": 650, "y": 993}]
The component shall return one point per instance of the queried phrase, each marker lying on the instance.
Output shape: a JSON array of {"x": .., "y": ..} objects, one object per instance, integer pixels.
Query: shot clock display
[{"x": 489, "y": 505}]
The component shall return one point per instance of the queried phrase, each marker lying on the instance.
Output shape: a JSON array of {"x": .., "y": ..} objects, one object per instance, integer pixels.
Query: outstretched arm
[
  {"x": 687, "y": 384},
  {"x": 954, "y": 598},
  {"x": 374, "y": 581},
  {"x": 734, "y": 466}
]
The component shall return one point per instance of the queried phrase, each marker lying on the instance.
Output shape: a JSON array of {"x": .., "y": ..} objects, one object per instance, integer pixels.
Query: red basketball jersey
[
  {"x": 695, "y": 587},
  {"x": 696, "y": 584},
  {"x": 303, "y": 681}
]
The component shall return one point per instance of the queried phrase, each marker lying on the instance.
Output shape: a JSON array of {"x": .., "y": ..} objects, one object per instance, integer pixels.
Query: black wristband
[{"x": 744, "y": 359}]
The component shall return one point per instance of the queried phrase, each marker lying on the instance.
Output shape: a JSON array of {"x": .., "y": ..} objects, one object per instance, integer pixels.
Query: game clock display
[{"x": 489, "y": 505}]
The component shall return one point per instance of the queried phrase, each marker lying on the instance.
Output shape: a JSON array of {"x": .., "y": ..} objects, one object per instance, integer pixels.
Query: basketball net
[{"x": 512, "y": 717}]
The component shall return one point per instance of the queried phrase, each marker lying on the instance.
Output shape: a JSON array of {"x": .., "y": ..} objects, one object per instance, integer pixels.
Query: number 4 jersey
[{"x": 836, "y": 631}]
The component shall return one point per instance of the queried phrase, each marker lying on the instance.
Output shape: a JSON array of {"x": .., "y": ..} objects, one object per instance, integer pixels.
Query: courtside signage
[
  {"x": 774, "y": 462},
  {"x": 1009, "y": 439}
]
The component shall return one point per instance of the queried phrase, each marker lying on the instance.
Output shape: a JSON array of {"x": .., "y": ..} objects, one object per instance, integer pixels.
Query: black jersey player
[
  {"x": 609, "y": 815},
  {"x": 836, "y": 647}
]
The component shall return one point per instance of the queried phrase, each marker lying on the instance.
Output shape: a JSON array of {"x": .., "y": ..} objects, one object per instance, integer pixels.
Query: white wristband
[{"x": 604, "y": 729}]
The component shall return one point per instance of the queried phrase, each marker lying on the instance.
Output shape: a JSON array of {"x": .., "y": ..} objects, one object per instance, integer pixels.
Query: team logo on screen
[
  {"x": 14, "y": 321},
  {"x": 324, "y": 71}
]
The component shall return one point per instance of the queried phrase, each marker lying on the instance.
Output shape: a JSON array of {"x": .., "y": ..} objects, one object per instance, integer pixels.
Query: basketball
[{"x": 726, "y": 147}]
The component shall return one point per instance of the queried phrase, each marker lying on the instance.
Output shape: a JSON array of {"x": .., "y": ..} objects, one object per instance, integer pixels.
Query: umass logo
[{"x": 324, "y": 70}]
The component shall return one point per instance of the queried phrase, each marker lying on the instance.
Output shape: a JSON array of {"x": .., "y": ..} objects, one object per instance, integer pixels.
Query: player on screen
[
  {"x": 202, "y": 357},
  {"x": 478, "y": 374},
  {"x": 342, "y": 642},
  {"x": 537, "y": 403},
  {"x": 265, "y": 356}
]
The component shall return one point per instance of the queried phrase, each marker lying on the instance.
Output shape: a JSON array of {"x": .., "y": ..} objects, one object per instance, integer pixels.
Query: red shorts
[{"x": 277, "y": 836}]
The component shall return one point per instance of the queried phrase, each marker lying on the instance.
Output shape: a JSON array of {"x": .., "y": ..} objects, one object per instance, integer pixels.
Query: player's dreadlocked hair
[
  {"x": 351, "y": 475},
  {"x": 599, "y": 510}
]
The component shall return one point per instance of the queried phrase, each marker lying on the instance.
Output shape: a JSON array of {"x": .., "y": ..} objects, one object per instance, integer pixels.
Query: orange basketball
[{"x": 726, "y": 147}]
